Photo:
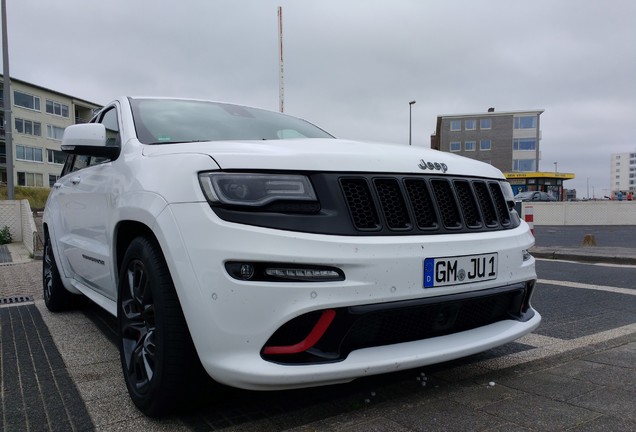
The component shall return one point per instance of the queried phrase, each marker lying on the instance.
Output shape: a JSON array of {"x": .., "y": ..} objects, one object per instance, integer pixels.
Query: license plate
[{"x": 459, "y": 270}]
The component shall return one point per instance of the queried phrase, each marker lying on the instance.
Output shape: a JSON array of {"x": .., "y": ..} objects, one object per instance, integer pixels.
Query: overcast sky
[{"x": 352, "y": 66}]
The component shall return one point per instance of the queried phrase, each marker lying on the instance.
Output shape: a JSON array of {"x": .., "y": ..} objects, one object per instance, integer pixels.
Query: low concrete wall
[
  {"x": 583, "y": 212},
  {"x": 18, "y": 217},
  {"x": 11, "y": 216}
]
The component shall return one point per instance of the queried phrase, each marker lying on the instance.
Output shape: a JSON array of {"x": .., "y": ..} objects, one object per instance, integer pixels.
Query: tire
[
  {"x": 158, "y": 358},
  {"x": 56, "y": 297}
]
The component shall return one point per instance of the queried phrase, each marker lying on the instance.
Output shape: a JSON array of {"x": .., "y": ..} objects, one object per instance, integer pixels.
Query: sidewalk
[{"x": 60, "y": 372}]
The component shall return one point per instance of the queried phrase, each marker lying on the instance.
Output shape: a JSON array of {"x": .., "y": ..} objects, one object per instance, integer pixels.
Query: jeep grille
[{"x": 425, "y": 204}]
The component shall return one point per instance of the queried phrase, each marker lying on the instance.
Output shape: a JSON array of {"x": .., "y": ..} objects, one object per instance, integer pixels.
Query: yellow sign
[{"x": 527, "y": 175}]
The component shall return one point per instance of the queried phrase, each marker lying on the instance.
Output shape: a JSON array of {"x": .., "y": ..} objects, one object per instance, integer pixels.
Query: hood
[{"x": 318, "y": 154}]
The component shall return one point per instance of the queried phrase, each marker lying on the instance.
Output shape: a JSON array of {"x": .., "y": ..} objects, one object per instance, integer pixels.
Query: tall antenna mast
[{"x": 281, "y": 75}]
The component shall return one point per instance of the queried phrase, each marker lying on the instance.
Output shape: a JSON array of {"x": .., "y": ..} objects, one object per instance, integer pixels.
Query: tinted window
[{"x": 109, "y": 120}]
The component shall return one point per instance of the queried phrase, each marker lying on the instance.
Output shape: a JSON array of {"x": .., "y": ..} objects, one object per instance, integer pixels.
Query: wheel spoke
[
  {"x": 138, "y": 327},
  {"x": 149, "y": 353},
  {"x": 48, "y": 276}
]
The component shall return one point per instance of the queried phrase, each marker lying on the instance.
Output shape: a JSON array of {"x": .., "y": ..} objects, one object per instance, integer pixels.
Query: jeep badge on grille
[{"x": 433, "y": 166}]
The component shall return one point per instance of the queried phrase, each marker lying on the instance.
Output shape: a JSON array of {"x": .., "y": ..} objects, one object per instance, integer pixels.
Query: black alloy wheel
[
  {"x": 138, "y": 328},
  {"x": 56, "y": 297},
  {"x": 158, "y": 358}
]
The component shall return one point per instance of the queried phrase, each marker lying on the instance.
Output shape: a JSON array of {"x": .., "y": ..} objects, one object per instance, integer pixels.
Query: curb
[{"x": 569, "y": 255}]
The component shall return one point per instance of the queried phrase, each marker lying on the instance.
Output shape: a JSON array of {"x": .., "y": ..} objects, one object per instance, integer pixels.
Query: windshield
[{"x": 165, "y": 121}]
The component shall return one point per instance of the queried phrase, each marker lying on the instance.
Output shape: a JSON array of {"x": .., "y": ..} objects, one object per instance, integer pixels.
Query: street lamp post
[
  {"x": 555, "y": 167},
  {"x": 8, "y": 125},
  {"x": 410, "y": 123}
]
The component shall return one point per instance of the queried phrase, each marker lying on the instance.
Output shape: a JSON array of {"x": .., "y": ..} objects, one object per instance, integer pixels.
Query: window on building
[
  {"x": 526, "y": 122},
  {"x": 455, "y": 125},
  {"x": 56, "y": 108},
  {"x": 3, "y": 153},
  {"x": 28, "y": 127},
  {"x": 470, "y": 145},
  {"x": 26, "y": 100},
  {"x": 470, "y": 124},
  {"x": 455, "y": 146},
  {"x": 54, "y": 132},
  {"x": 524, "y": 165},
  {"x": 26, "y": 153},
  {"x": 56, "y": 156},
  {"x": 524, "y": 144},
  {"x": 485, "y": 144},
  {"x": 30, "y": 179},
  {"x": 485, "y": 123}
]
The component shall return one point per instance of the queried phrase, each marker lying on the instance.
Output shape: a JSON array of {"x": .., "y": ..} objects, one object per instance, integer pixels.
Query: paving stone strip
[
  {"x": 36, "y": 387},
  {"x": 5, "y": 255}
]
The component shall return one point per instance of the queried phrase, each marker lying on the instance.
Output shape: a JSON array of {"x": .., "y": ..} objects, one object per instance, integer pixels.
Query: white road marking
[
  {"x": 587, "y": 263},
  {"x": 558, "y": 346},
  {"x": 589, "y": 286}
]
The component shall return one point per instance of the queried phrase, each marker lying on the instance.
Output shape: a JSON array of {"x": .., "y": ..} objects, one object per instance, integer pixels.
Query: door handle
[
  {"x": 76, "y": 180},
  {"x": 57, "y": 185}
]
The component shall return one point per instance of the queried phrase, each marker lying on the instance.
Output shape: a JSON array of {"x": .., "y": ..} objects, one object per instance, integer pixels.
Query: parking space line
[
  {"x": 538, "y": 341},
  {"x": 600, "y": 264},
  {"x": 589, "y": 286},
  {"x": 557, "y": 347}
]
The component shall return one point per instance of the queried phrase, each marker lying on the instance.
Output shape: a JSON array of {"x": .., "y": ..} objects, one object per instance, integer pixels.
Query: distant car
[
  {"x": 534, "y": 196},
  {"x": 260, "y": 247}
]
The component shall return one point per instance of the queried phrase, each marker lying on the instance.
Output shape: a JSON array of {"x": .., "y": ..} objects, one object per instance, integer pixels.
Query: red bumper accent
[{"x": 312, "y": 338}]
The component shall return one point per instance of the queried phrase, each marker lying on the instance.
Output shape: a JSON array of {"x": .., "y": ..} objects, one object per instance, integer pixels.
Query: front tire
[
  {"x": 56, "y": 297},
  {"x": 157, "y": 354}
]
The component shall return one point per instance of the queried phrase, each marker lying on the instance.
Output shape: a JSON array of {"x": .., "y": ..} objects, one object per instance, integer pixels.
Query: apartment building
[
  {"x": 508, "y": 140},
  {"x": 623, "y": 172},
  {"x": 39, "y": 117}
]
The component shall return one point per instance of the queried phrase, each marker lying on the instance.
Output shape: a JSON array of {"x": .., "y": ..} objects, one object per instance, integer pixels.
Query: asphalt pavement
[
  {"x": 605, "y": 244},
  {"x": 62, "y": 372}
]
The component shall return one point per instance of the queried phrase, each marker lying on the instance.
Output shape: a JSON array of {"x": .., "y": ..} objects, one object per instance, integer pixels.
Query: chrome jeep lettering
[{"x": 433, "y": 166}]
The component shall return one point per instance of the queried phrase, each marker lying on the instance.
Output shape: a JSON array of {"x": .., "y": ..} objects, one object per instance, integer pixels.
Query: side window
[
  {"x": 68, "y": 165},
  {"x": 80, "y": 162},
  {"x": 77, "y": 162},
  {"x": 109, "y": 120}
]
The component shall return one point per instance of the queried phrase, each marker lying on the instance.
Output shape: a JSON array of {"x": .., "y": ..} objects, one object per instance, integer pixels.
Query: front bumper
[{"x": 231, "y": 320}]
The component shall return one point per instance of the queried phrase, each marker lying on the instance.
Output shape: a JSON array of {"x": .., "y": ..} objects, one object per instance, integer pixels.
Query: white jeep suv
[{"x": 275, "y": 256}]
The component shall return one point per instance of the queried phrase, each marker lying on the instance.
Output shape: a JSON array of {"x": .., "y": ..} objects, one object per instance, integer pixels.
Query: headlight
[{"x": 255, "y": 190}]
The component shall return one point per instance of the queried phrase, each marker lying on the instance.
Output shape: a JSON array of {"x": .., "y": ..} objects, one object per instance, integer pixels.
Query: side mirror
[{"x": 88, "y": 139}]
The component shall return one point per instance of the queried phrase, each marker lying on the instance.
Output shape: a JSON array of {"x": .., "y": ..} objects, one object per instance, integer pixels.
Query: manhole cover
[{"x": 15, "y": 300}]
